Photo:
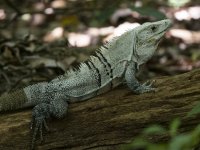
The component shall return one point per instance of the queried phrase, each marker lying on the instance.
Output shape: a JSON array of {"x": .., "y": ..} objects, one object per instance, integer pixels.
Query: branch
[{"x": 109, "y": 120}]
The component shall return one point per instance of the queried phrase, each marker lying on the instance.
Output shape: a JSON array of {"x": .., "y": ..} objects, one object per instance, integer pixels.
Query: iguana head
[{"x": 147, "y": 37}]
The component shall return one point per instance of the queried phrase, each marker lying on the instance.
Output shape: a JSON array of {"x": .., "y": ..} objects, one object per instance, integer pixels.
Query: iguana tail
[{"x": 13, "y": 100}]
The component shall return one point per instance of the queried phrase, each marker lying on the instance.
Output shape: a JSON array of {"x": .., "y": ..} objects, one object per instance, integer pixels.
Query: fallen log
[{"x": 109, "y": 120}]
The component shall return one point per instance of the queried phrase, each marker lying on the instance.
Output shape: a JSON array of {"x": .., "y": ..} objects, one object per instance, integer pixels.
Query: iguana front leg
[
  {"x": 57, "y": 108},
  {"x": 133, "y": 83}
]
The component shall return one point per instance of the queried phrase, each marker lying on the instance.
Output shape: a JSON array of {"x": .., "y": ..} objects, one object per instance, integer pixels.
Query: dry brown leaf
[{"x": 36, "y": 62}]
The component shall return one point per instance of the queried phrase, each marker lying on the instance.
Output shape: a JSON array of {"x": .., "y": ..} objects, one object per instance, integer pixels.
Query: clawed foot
[
  {"x": 38, "y": 123},
  {"x": 146, "y": 87}
]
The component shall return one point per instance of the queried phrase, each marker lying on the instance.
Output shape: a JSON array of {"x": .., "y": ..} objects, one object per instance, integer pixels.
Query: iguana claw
[
  {"x": 38, "y": 123},
  {"x": 149, "y": 83},
  {"x": 145, "y": 87}
]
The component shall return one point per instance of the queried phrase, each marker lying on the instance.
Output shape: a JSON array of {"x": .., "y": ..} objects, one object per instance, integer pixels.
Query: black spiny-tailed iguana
[{"x": 115, "y": 62}]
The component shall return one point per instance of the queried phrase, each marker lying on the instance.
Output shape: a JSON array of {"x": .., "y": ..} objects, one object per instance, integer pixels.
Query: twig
[
  {"x": 6, "y": 77},
  {"x": 12, "y": 6}
]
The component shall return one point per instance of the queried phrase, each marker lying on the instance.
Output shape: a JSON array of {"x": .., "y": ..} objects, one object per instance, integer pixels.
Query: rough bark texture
[{"x": 110, "y": 120}]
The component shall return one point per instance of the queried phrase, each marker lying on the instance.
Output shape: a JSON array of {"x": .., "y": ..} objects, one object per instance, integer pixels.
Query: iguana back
[{"x": 100, "y": 73}]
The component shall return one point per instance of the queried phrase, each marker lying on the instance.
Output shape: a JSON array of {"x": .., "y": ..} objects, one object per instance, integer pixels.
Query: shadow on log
[{"x": 109, "y": 120}]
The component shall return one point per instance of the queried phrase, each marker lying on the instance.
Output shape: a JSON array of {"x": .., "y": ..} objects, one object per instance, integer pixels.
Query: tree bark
[{"x": 109, "y": 120}]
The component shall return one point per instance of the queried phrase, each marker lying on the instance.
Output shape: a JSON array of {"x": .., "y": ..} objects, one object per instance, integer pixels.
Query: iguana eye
[{"x": 153, "y": 28}]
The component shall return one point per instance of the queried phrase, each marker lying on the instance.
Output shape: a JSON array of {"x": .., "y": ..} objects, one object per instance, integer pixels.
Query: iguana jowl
[{"x": 115, "y": 62}]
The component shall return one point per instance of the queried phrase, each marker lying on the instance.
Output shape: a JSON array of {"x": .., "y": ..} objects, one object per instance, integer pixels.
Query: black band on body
[
  {"x": 98, "y": 73},
  {"x": 108, "y": 64},
  {"x": 87, "y": 63}
]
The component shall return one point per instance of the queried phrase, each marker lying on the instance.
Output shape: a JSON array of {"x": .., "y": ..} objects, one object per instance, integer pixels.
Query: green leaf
[
  {"x": 139, "y": 142},
  {"x": 150, "y": 11},
  {"x": 174, "y": 127},
  {"x": 181, "y": 142},
  {"x": 194, "y": 111},
  {"x": 157, "y": 147},
  {"x": 101, "y": 17},
  {"x": 154, "y": 129},
  {"x": 195, "y": 135}
]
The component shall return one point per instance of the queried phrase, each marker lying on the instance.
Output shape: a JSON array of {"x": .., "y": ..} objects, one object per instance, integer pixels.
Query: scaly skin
[{"x": 13, "y": 100}]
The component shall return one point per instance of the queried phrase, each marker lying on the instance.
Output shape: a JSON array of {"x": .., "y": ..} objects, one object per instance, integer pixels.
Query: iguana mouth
[
  {"x": 168, "y": 26},
  {"x": 163, "y": 31}
]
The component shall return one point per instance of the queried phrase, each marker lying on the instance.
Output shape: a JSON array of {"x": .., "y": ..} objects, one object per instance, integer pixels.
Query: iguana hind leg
[{"x": 56, "y": 108}]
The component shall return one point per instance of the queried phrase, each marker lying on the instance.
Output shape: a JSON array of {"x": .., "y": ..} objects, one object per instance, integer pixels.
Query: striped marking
[
  {"x": 108, "y": 64},
  {"x": 105, "y": 62},
  {"x": 104, "y": 65},
  {"x": 87, "y": 63},
  {"x": 98, "y": 72},
  {"x": 105, "y": 46}
]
